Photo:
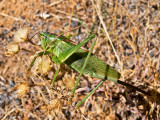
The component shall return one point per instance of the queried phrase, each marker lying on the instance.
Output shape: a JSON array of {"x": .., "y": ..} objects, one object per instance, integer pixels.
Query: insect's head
[{"x": 47, "y": 40}]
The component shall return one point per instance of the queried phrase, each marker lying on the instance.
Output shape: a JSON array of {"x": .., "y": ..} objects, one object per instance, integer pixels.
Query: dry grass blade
[
  {"x": 97, "y": 7},
  {"x": 16, "y": 19}
]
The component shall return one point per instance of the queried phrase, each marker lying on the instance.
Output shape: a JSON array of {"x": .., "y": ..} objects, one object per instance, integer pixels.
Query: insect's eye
[{"x": 42, "y": 37}]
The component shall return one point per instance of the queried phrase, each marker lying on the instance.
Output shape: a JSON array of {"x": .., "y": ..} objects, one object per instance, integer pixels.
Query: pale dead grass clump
[
  {"x": 42, "y": 64},
  {"x": 11, "y": 49},
  {"x": 22, "y": 89},
  {"x": 69, "y": 81},
  {"x": 21, "y": 35}
]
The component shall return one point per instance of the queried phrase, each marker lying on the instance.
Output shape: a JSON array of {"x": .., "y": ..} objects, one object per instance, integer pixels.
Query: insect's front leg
[{"x": 54, "y": 58}]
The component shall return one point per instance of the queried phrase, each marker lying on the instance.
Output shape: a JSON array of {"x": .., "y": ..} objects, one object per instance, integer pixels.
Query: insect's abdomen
[{"x": 95, "y": 67}]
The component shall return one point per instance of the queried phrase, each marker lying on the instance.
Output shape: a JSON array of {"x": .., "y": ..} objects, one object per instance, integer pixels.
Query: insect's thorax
[{"x": 61, "y": 47}]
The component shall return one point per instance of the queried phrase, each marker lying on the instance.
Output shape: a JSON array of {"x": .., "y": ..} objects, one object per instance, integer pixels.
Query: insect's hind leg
[
  {"x": 99, "y": 84},
  {"x": 84, "y": 65},
  {"x": 65, "y": 55}
]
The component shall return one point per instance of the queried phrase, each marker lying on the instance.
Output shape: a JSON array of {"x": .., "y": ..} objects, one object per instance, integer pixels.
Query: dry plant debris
[
  {"x": 21, "y": 35},
  {"x": 134, "y": 29},
  {"x": 42, "y": 65},
  {"x": 11, "y": 49}
]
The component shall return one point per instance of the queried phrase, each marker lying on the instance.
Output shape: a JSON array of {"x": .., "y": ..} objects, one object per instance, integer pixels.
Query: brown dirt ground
[{"x": 134, "y": 29}]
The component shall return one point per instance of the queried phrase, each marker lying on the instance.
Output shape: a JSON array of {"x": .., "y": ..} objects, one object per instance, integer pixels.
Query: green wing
[{"x": 95, "y": 67}]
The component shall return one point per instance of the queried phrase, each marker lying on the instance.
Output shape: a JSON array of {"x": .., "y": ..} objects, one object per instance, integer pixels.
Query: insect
[{"x": 80, "y": 60}]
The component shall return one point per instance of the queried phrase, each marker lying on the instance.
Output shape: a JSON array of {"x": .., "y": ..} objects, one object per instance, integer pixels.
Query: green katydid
[{"x": 80, "y": 60}]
